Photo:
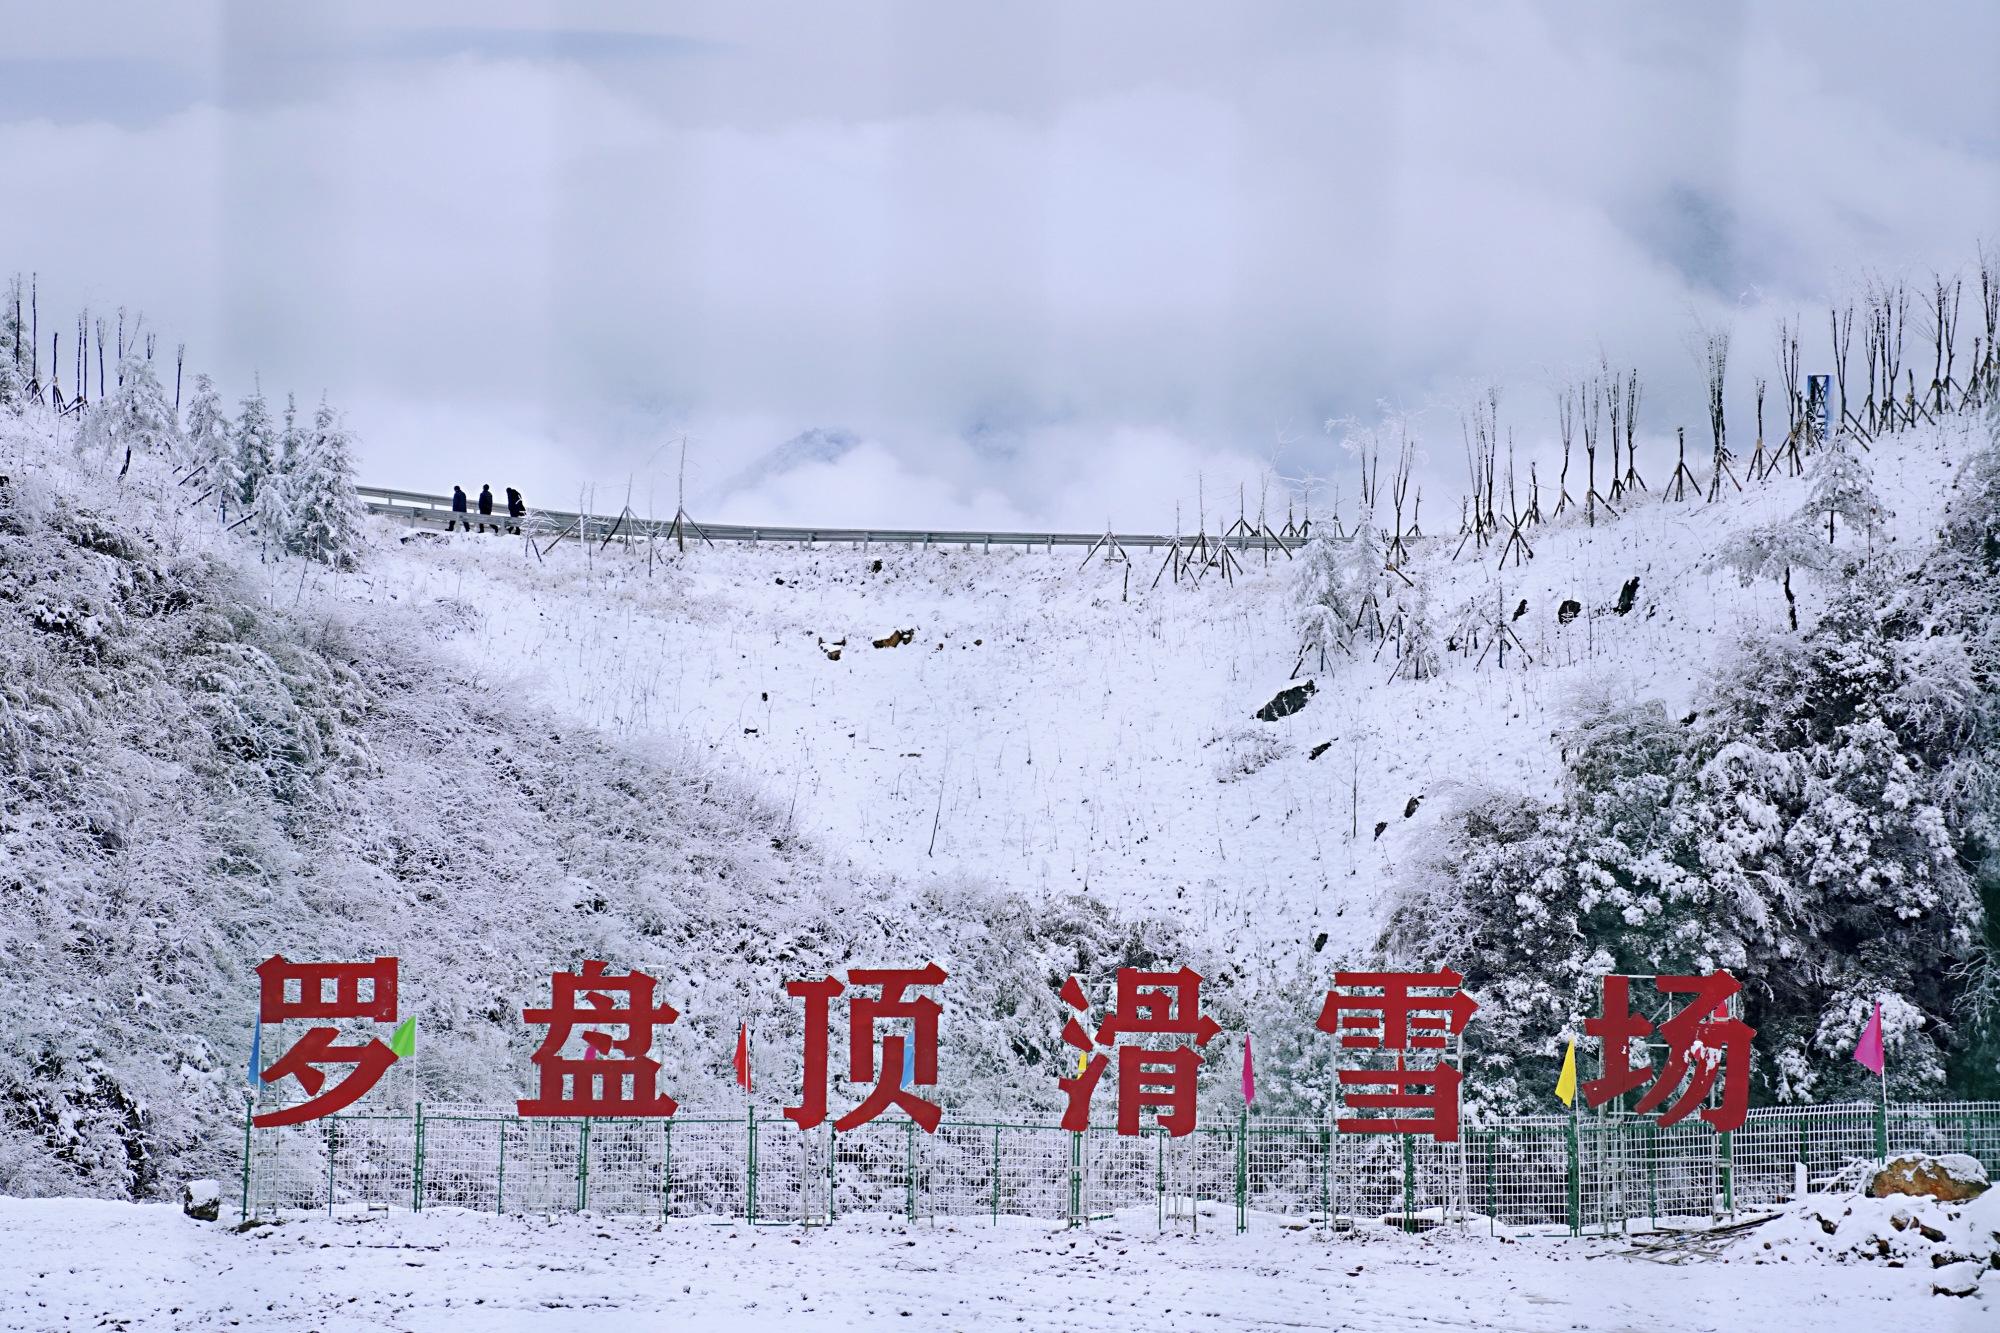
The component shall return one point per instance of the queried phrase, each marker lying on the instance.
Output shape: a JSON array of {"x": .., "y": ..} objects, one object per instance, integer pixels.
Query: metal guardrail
[{"x": 420, "y": 509}]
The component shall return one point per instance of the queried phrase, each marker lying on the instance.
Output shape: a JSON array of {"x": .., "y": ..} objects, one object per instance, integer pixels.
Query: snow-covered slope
[{"x": 1055, "y": 728}]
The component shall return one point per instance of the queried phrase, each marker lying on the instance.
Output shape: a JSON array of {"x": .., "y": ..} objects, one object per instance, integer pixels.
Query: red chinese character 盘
[{"x": 612, "y": 1075}]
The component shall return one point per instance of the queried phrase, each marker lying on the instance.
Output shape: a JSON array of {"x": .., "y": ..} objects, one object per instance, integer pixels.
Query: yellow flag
[
  {"x": 1566, "y": 1081},
  {"x": 1082, "y": 1062}
]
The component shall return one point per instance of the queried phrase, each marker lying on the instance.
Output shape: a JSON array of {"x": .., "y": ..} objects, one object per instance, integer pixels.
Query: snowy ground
[
  {"x": 1053, "y": 728},
  {"x": 84, "y": 1264}
]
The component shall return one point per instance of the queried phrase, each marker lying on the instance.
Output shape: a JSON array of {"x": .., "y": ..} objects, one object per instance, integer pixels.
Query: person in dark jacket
[
  {"x": 458, "y": 511},
  {"x": 516, "y": 508},
  {"x": 486, "y": 507}
]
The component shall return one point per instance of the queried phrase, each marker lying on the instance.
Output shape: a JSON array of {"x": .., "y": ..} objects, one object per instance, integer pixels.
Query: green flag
[{"x": 404, "y": 1042}]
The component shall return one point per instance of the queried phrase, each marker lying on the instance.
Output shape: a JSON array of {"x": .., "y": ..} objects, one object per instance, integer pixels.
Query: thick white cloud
[{"x": 1047, "y": 263}]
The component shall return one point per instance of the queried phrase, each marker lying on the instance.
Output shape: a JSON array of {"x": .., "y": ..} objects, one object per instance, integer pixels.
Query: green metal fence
[{"x": 1566, "y": 1174}]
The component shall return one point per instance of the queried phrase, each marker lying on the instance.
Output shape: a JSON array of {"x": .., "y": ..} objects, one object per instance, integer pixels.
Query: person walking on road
[
  {"x": 458, "y": 511},
  {"x": 486, "y": 507},
  {"x": 516, "y": 509}
]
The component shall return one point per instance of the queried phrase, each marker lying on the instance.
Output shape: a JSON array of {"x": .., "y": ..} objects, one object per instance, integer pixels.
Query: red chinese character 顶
[
  {"x": 1702, "y": 1040},
  {"x": 325, "y": 990},
  {"x": 1165, "y": 1081},
  {"x": 1399, "y": 1020},
  {"x": 884, "y": 1062},
  {"x": 614, "y": 1076}
]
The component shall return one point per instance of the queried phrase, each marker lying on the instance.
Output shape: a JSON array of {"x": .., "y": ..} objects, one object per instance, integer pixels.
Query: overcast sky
[{"x": 930, "y": 264}]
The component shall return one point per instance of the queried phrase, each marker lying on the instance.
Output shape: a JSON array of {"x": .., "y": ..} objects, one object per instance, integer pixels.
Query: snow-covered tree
[
  {"x": 136, "y": 415},
  {"x": 207, "y": 439},
  {"x": 253, "y": 451},
  {"x": 1322, "y": 613},
  {"x": 324, "y": 513},
  {"x": 1841, "y": 488},
  {"x": 13, "y": 351},
  {"x": 1417, "y": 638}
]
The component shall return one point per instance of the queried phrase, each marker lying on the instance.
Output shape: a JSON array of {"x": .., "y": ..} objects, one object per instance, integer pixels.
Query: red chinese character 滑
[
  {"x": 614, "y": 1075},
  {"x": 1399, "y": 1020},
  {"x": 1164, "y": 1081},
  {"x": 325, "y": 990},
  {"x": 1702, "y": 1040},
  {"x": 885, "y": 1062}
]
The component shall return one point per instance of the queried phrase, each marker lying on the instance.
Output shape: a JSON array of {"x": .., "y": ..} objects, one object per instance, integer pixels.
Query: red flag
[
  {"x": 1869, "y": 1049},
  {"x": 743, "y": 1057},
  {"x": 1249, "y": 1073}
]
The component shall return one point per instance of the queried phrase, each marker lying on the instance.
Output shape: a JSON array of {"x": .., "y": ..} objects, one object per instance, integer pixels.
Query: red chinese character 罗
[
  {"x": 325, "y": 990},
  {"x": 1702, "y": 1040},
  {"x": 883, "y": 1062},
  {"x": 1399, "y": 1019},
  {"x": 614, "y": 1076},
  {"x": 1165, "y": 1081}
]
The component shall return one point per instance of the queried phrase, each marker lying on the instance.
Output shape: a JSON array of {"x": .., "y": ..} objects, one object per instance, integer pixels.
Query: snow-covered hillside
[{"x": 1055, "y": 728}]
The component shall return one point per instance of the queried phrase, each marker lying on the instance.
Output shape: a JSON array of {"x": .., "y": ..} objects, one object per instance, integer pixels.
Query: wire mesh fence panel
[
  {"x": 1034, "y": 1171},
  {"x": 1775, "y": 1140},
  {"x": 871, "y": 1169},
  {"x": 1972, "y": 1128},
  {"x": 956, "y": 1171},
  {"x": 1200, "y": 1171},
  {"x": 791, "y": 1173},
  {"x": 707, "y": 1165},
  {"x": 624, "y": 1169},
  {"x": 287, "y": 1171},
  {"x": 1367, "y": 1175},
  {"x": 1285, "y": 1167},
  {"x": 463, "y": 1162},
  {"x": 372, "y": 1160},
  {"x": 1439, "y": 1179},
  {"x": 1679, "y": 1168},
  {"x": 544, "y": 1160},
  {"x": 1519, "y": 1173},
  {"x": 1122, "y": 1171}
]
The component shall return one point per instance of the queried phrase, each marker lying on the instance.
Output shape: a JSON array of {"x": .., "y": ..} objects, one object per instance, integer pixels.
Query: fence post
[
  {"x": 667, "y": 1175},
  {"x": 910, "y": 1170},
  {"x": 1882, "y": 1129},
  {"x": 1243, "y": 1171},
  {"x": 1726, "y": 1166},
  {"x": 1326, "y": 1174},
  {"x": 248, "y": 1108},
  {"x": 1492, "y": 1194},
  {"x": 1575, "y": 1180},
  {"x": 417, "y": 1171},
  {"x": 1076, "y": 1177},
  {"x": 1409, "y": 1180},
  {"x": 1652, "y": 1172},
  {"x": 996, "y": 1175},
  {"x": 1159, "y": 1180},
  {"x": 750, "y": 1192},
  {"x": 331, "y": 1149},
  {"x": 832, "y": 1160},
  {"x": 583, "y": 1166},
  {"x": 500, "y": 1181}
]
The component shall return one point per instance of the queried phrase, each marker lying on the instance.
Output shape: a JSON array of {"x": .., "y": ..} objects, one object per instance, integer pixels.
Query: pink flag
[
  {"x": 1249, "y": 1074},
  {"x": 1869, "y": 1049}
]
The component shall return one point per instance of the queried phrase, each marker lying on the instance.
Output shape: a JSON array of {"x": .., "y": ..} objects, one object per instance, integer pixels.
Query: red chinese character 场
[
  {"x": 885, "y": 1062},
  {"x": 1398, "y": 1019},
  {"x": 614, "y": 1075},
  {"x": 1164, "y": 1081},
  {"x": 325, "y": 990},
  {"x": 1702, "y": 1041}
]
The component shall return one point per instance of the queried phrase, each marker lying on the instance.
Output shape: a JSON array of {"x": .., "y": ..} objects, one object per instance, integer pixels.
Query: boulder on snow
[
  {"x": 202, "y": 1199},
  {"x": 1959, "y": 1279},
  {"x": 1287, "y": 702},
  {"x": 1950, "y": 1177},
  {"x": 1628, "y": 595},
  {"x": 1568, "y": 611}
]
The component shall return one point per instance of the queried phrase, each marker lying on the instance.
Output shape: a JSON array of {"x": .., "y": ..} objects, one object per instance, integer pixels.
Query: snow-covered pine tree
[
  {"x": 13, "y": 350},
  {"x": 253, "y": 451},
  {"x": 1841, "y": 488},
  {"x": 1363, "y": 561},
  {"x": 207, "y": 439},
  {"x": 1323, "y": 613},
  {"x": 324, "y": 514},
  {"x": 1417, "y": 640},
  {"x": 137, "y": 415}
]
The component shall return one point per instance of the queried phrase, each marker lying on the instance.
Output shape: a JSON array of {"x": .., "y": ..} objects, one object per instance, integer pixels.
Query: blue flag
[
  {"x": 256, "y": 1056},
  {"x": 909, "y": 1061}
]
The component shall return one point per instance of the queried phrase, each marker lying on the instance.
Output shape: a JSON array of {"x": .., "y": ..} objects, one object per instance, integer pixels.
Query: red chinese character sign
[
  {"x": 352, "y": 991},
  {"x": 1163, "y": 1081},
  {"x": 612, "y": 1075},
  {"x": 895, "y": 1063},
  {"x": 1394, "y": 1017},
  {"x": 1702, "y": 1040}
]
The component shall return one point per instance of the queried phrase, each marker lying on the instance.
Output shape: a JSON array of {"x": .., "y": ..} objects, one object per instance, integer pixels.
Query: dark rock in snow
[
  {"x": 1411, "y": 808},
  {"x": 1286, "y": 702},
  {"x": 1568, "y": 611},
  {"x": 1627, "y": 595},
  {"x": 1320, "y": 749},
  {"x": 1522, "y": 609},
  {"x": 1380, "y": 825}
]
